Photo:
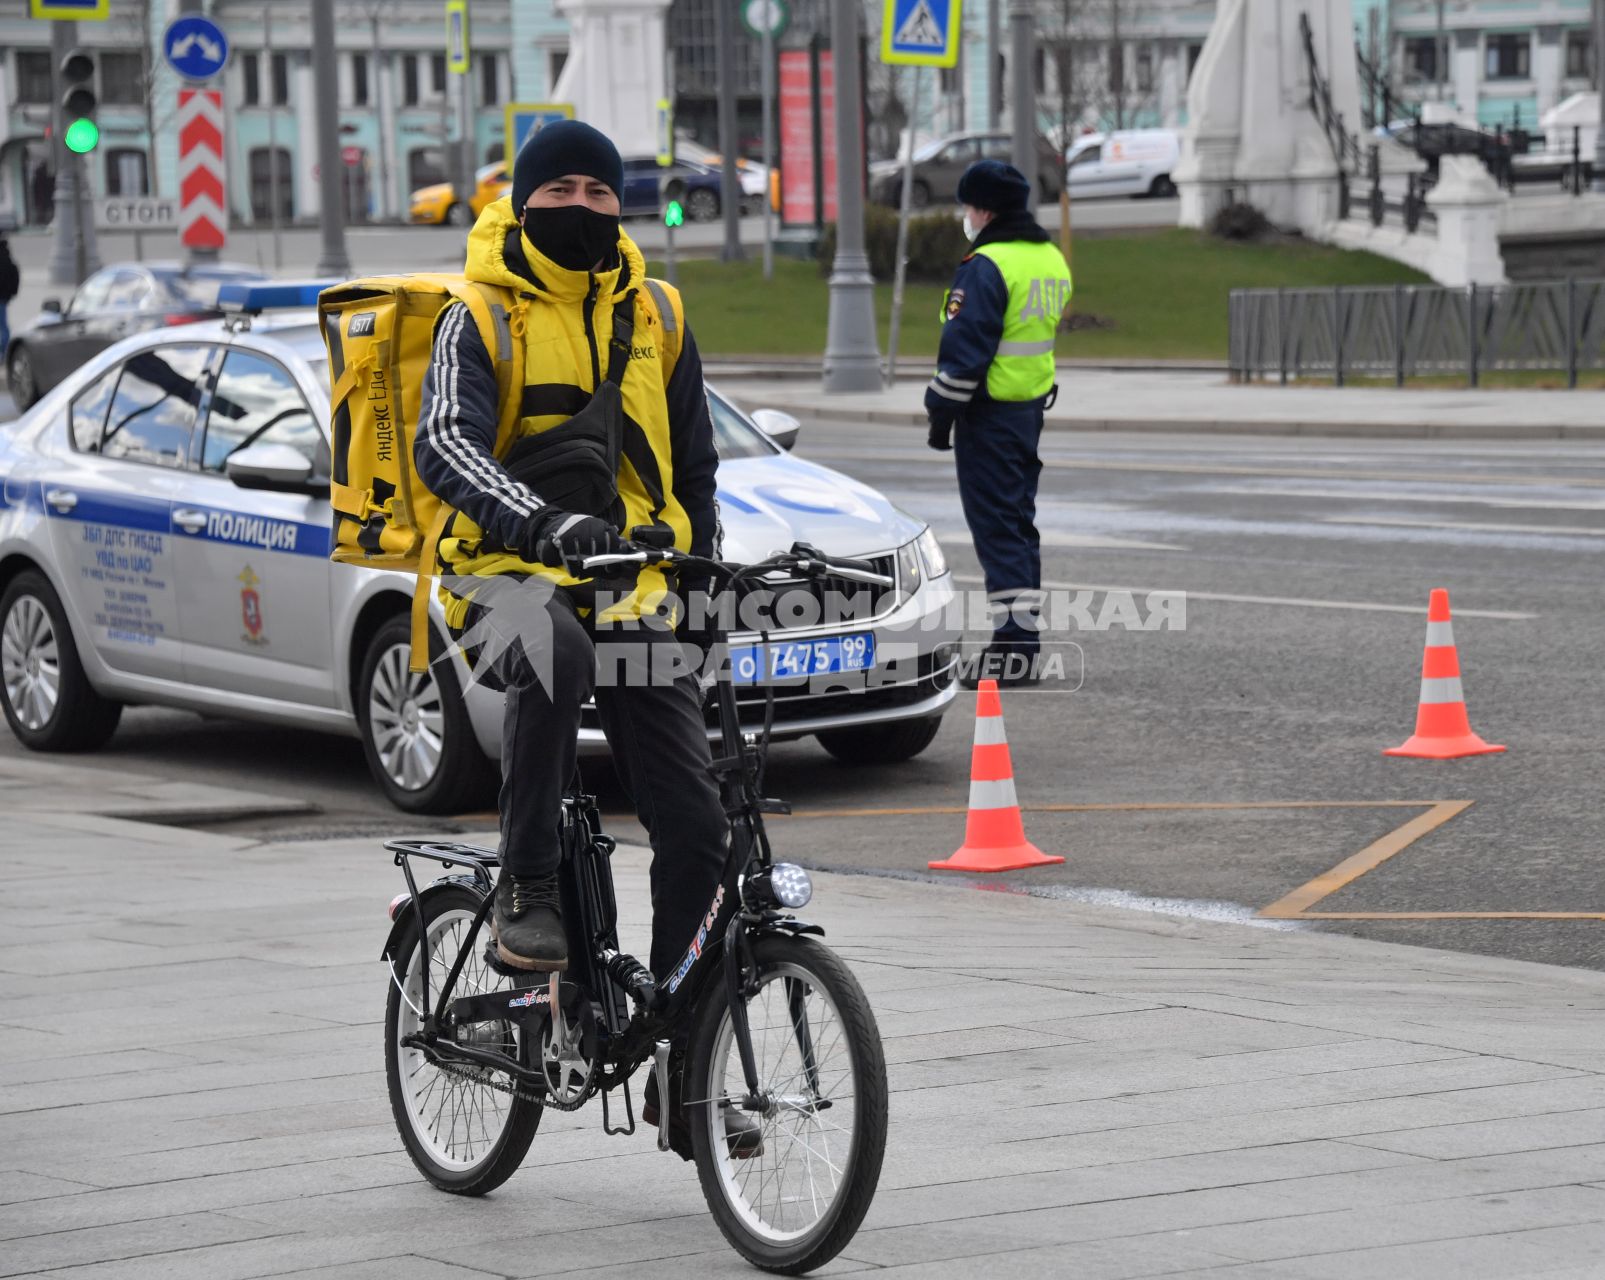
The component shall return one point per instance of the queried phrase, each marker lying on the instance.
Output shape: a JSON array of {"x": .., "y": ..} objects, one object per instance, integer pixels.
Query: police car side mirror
[
  {"x": 779, "y": 426},
  {"x": 275, "y": 467}
]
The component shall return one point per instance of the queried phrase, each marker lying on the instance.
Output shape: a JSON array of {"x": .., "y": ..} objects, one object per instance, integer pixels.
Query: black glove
[
  {"x": 941, "y": 434},
  {"x": 561, "y": 540}
]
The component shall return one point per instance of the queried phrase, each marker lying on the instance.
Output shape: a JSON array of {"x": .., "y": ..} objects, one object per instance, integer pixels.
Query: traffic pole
[
  {"x": 852, "y": 355},
  {"x": 729, "y": 179},
  {"x": 901, "y": 273},
  {"x": 1024, "y": 106},
  {"x": 333, "y": 259},
  {"x": 1598, "y": 185},
  {"x": 198, "y": 254},
  {"x": 74, "y": 253},
  {"x": 767, "y": 77}
]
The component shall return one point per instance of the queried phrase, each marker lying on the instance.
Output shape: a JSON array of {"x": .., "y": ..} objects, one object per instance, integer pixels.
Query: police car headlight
[
  {"x": 931, "y": 553},
  {"x": 908, "y": 567},
  {"x": 784, "y": 885}
]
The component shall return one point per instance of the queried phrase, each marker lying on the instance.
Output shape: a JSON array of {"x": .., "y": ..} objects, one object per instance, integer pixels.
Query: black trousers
[
  {"x": 654, "y": 726},
  {"x": 995, "y": 447}
]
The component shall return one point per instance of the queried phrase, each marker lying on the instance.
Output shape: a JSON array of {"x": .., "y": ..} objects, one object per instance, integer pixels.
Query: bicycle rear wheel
[
  {"x": 462, "y": 1128},
  {"x": 797, "y": 1203}
]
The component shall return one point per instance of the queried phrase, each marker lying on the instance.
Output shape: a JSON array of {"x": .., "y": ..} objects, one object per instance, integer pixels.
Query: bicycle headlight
[
  {"x": 931, "y": 553},
  {"x": 783, "y": 885}
]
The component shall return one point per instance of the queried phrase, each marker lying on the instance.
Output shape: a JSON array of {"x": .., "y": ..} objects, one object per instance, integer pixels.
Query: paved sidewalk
[
  {"x": 191, "y": 1085},
  {"x": 1194, "y": 401}
]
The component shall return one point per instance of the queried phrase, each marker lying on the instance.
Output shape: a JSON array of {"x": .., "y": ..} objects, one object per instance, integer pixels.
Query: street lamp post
[
  {"x": 1598, "y": 186},
  {"x": 1022, "y": 72},
  {"x": 852, "y": 350},
  {"x": 333, "y": 260}
]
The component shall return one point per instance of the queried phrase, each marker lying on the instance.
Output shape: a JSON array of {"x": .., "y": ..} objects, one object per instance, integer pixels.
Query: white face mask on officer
[{"x": 970, "y": 229}]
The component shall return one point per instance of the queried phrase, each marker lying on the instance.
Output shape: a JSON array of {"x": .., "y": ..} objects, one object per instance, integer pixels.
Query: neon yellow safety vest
[{"x": 1038, "y": 280}]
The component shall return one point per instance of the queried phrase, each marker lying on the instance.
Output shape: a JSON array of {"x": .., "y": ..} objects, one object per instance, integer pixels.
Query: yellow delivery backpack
[{"x": 380, "y": 336}]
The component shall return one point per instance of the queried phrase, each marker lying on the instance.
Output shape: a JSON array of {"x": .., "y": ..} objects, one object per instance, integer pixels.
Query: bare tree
[{"x": 133, "y": 24}]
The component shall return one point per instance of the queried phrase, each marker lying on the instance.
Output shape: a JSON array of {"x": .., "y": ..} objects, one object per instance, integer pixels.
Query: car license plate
[{"x": 799, "y": 659}]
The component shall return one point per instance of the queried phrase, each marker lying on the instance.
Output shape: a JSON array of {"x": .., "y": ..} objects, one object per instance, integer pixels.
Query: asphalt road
[{"x": 1234, "y": 761}]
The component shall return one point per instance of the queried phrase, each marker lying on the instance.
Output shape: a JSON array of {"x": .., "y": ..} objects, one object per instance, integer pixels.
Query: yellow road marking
[{"x": 1295, "y": 904}]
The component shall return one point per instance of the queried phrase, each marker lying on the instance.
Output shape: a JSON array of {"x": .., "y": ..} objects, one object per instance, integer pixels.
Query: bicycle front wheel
[
  {"x": 794, "y": 1205},
  {"x": 462, "y": 1126}
]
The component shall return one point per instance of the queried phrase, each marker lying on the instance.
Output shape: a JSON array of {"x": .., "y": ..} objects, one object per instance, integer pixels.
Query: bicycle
[{"x": 774, "y": 1022}]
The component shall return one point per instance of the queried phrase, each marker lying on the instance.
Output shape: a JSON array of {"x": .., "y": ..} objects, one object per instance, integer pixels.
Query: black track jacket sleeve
[
  {"x": 456, "y": 438},
  {"x": 694, "y": 459}
]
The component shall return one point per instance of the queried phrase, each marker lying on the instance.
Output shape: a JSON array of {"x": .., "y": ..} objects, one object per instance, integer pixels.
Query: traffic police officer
[{"x": 993, "y": 380}]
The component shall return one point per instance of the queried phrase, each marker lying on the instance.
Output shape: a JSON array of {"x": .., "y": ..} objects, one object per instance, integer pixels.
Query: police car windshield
[{"x": 734, "y": 436}]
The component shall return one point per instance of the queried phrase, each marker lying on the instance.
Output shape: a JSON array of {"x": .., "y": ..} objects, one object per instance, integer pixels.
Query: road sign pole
[
  {"x": 994, "y": 50},
  {"x": 195, "y": 254},
  {"x": 333, "y": 260},
  {"x": 729, "y": 180},
  {"x": 273, "y": 143},
  {"x": 902, "y": 233},
  {"x": 768, "y": 79},
  {"x": 852, "y": 357},
  {"x": 1598, "y": 185}
]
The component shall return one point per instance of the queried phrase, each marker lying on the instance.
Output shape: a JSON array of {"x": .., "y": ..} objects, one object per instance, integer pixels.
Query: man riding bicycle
[{"x": 608, "y": 440}]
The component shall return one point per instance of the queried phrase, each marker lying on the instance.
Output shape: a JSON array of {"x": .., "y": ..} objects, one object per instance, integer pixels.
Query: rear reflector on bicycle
[
  {"x": 397, "y": 903},
  {"x": 783, "y": 885}
]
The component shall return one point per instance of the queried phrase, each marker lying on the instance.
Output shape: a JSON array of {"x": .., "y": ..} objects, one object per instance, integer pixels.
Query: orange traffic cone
[
  {"x": 1442, "y": 730},
  {"x": 994, "y": 837}
]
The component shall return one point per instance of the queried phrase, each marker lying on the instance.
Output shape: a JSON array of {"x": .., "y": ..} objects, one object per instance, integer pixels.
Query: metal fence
[{"x": 1406, "y": 331}]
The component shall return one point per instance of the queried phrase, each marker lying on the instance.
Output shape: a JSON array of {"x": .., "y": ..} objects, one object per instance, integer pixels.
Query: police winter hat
[
  {"x": 561, "y": 148},
  {"x": 994, "y": 186}
]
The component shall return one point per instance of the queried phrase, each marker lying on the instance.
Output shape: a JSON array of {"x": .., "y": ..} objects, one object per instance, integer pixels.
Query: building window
[
  {"x": 1039, "y": 69},
  {"x": 126, "y": 172},
  {"x": 261, "y": 162},
  {"x": 437, "y": 73},
  {"x": 556, "y": 60},
  {"x": 1579, "y": 55},
  {"x": 1145, "y": 69},
  {"x": 122, "y": 79},
  {"x": 359, "y": 79},
  {"x": 426, "y": 166},
  {"x": 489, "y": 90},
  {"x": 1421, "y": 60},
  {"x": 409, "y": 80},
  {"x": 1193, "y": 52},
  {"x": 250, "y": 80},
  {"x": 1508, "y": 57},
  {"x": 33, "y": 76},
  {"x": 281, "y": 79}
]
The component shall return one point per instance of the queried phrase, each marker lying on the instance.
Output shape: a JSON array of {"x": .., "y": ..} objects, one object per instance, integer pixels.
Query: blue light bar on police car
[{"x": 272, "y": 296}]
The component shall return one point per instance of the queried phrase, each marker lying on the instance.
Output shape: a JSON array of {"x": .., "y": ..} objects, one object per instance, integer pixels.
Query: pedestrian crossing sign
[{"x": 921, "y": 33}]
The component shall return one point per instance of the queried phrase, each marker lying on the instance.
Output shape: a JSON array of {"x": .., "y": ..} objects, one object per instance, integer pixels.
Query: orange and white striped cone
[
  {"x": 1443, "y": 732},
  {"x": 994, "y": 835}
]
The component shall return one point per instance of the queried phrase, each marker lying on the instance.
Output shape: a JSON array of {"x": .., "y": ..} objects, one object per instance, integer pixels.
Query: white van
[{"x": 1128, "y": 162}]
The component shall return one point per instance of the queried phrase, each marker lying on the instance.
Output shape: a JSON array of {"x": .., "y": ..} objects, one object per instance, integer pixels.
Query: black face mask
[{"x": 573, "y": 236}]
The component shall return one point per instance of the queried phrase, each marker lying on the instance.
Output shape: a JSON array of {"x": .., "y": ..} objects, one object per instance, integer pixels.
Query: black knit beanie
[
  {"x": 994, "y": 186},
  {"x": 561, "y": 148}
]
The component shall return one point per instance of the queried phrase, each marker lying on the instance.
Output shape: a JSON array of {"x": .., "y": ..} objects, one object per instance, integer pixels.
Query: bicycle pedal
[{"x": 496, "y": 964}]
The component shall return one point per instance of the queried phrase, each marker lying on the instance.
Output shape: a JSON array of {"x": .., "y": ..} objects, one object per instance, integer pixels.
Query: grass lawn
[{"x": 1164, "y": 291}]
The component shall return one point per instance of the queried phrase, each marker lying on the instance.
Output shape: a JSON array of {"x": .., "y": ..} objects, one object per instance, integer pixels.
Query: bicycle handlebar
[{"x": 801, "y": 559}]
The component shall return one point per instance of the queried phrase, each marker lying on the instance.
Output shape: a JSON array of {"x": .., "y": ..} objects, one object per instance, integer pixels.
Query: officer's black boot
[
  {"x": 743, "y": 1134},
  {"x": 527, "y": 923}
]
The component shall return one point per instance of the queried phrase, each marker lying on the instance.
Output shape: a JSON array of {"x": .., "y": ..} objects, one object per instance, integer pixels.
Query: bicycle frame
[{"x": 611, "y": 980}]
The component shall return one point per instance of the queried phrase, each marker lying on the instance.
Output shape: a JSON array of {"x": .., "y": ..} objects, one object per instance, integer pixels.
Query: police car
[{"x": 164, "y": 539}]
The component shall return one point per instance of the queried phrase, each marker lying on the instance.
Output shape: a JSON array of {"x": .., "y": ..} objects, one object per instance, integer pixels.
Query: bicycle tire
[
  {"x": 714, "y": 1071},
  {"x": 520, "y": 1115}
]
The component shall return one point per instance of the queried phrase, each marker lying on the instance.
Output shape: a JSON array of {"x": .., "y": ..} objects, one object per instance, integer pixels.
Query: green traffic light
[
  {"x": 82, "y": 136},
  {"x": 674, "y": 214}
]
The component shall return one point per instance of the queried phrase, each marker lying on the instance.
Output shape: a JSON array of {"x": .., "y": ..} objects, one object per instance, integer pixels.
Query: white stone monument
[
  {"x": 616, "y": 70},
  {"x": 1250, "y": 129}
]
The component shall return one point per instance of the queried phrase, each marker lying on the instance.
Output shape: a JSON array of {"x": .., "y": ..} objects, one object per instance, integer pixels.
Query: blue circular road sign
[{"x": 195, "y": 46}]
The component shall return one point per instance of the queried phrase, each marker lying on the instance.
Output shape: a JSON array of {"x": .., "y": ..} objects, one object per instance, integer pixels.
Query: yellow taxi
[{"x": 439, "y": 205}]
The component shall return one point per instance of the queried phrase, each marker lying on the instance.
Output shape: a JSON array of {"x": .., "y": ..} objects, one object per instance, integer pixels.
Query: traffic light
[
  {"x": 79, "y": 130},
  {"x": 674, "y": 214}
]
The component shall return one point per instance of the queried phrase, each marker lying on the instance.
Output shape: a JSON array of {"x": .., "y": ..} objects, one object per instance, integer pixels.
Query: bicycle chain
[{"x": 518, "y": 1090}]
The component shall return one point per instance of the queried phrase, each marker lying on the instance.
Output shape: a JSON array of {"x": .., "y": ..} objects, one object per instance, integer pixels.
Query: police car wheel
[
  {"x": 21, "y": 380},
  {"x": 49, "y": 702},
  {"x": 416, "y": 733},
  {"x": 881, "y": 743}
]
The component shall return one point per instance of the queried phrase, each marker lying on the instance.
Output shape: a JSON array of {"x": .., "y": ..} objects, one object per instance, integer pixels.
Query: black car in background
[{"x": 116, "y": 301}]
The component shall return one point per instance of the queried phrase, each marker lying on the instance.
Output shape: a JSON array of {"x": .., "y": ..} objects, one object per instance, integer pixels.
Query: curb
[{"x": 1207, "y": 426}]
